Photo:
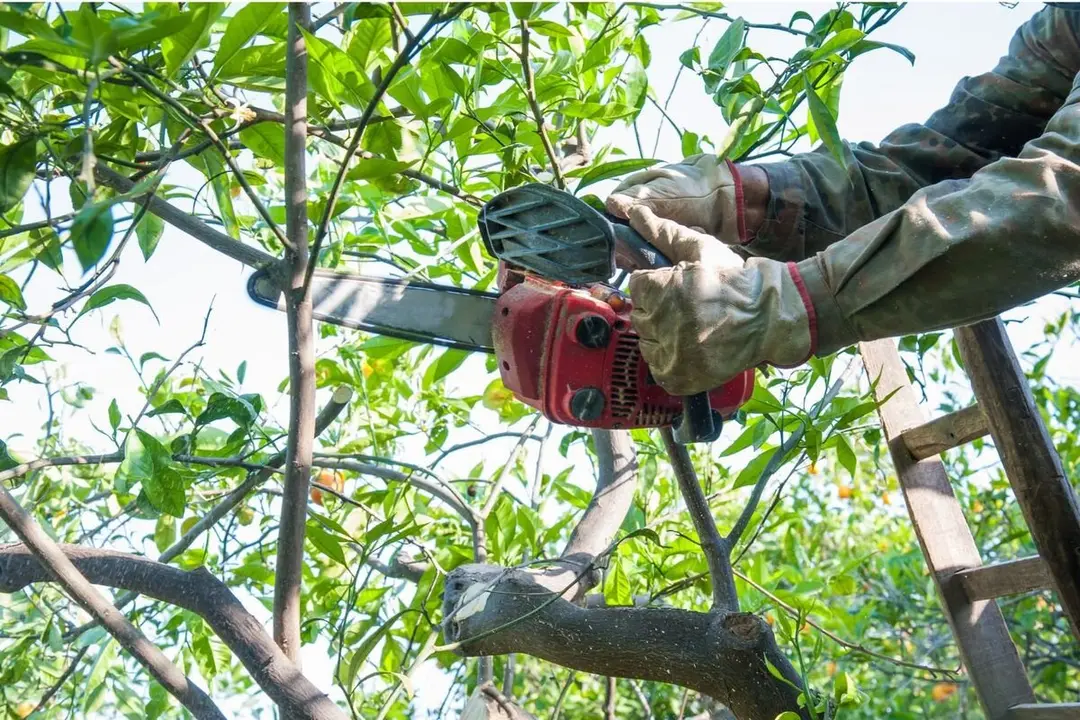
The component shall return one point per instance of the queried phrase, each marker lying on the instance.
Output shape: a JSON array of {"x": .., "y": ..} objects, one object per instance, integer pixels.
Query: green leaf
[
  {"x": 845, "y": 454},
  {"x": 6, "y": 461},
  {"x": 824, "y": 122},
  {"x": 164, "y": 532},
  {"x": 261, "y": 61},
  {"x": 165, "y": 491},
  {"x": 111, "y": 294},
  {"x": 17, "y": 163},
  {"x": 11, "y": 294},
  {"x": 91, "y": 233},
  {"x": 752, "y": 472},
  {"x": 213, "y": 167},
  {"x": 868, "y": 45},
  {"x": 448, "y": 362},
  {"x": 203, "y": 651},
  {"x": 615, "y": 168},
  {"x": 727, "y": 47},
  {"x": 326, "y": 543},
  {"x": 265, "y": 139},
  {"x": 221, "y": 406},
  {"x": 372, "y": 168},
  {"x": 855, "y": 413},
  {"x": 149, "y": 231},
  {"x": 179, "y": 47},
  {"x": 243, "y": 26},
  {"x": 368, "y": 38},
  {"x": 618, "y": 587},
  {"x": 334, "y": 75},
  {"x": 171, "y": 407},
  {"x": 45, "y": 244},
  {"x": 143, "y": 454},
  {"x": 838, "y": 43},
  {"x": 690, "y": 58},
  {"x": 647, "y": 533},
  {"x": 114, "y": 415}
]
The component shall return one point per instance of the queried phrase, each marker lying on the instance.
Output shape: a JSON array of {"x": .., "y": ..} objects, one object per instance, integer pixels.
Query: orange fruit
[
  {"x": 977, "y": 507},
  {"x": 885, "y": 498},
  {"x": 831, "y": 669},
  {"x": 366, "y": 369},
  {"x": 942, "y": 691},
  {"x": 24, "y": 709},
  {"x": 316, "y": 496},
  {"x": 845, "y": 492},
  {"x": 813, "y": 468},
  {"x": 331, "y": 479}
]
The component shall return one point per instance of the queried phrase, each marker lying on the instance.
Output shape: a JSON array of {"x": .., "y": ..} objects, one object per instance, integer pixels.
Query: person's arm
[
  {"x": 959, "y": 251},
  {"x": 811, "y": 201}
]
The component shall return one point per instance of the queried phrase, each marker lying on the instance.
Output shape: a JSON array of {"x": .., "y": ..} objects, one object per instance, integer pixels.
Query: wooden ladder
[{"x": 967, "y": 589}]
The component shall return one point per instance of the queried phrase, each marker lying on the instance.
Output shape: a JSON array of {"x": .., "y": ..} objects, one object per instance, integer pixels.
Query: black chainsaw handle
[{"x": 633, "y": 252}]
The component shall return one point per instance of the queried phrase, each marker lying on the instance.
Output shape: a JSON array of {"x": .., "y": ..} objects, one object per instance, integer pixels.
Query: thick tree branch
[
  {"x": 616, "y": 482},
  {"x": 716, "y": 549},
  {"x": 338, "y": 402},
  {"x": 301, "y": 328},
  {"x": 54, "y": 563},
  {"x": 252, "y": 257},
  {"x": 721, "y": 654},
  {"x": 197, "y": 591}
]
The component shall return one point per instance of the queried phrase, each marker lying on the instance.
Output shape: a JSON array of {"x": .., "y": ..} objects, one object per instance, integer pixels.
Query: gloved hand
[
  {"x": 713, "y": 315},
  {"x": 702, "y": 191}
]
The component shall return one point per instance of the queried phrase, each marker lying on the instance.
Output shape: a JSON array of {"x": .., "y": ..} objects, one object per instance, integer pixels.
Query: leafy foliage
[{"x": 134, "y": 91}]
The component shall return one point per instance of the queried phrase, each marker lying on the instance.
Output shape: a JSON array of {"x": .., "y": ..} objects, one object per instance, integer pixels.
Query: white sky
[{"x": 881, "y": 92}]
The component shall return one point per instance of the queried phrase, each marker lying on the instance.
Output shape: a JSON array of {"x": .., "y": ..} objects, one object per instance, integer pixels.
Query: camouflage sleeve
[
  {"x": 815, "y": 201},
  {"x": 958, "y": 251}
]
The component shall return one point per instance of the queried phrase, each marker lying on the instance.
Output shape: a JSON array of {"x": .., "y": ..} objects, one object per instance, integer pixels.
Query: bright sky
[{"x": 881, "y": 92}]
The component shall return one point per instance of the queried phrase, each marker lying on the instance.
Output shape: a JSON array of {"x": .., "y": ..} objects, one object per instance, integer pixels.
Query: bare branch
[
  {"x": 301, "y": 328},
  {"x": 496, "y": 611},
  {"x": 197, "y": 591},
  {"x": 716, "y": 548},
  {"x": 538, "y": 114},
  {"x": 250, "y": 256},
  {"x": 52, "y": 560}
]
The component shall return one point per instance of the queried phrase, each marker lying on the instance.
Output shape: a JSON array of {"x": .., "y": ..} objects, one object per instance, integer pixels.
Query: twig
[
  {"x": 480, "y": 441},
  {"x": 400, "y": 62},
  {"x": 716, "y": 548},
  {"x": 610, "y": 693},
  {"x": 855, "y": 647},
  {"x": 777, "y": 460},
  {"x": 538, "y": 114},
  {"x": 333, "y": 409},
  {"x": 300, "y": 445},
  {"x": 53, "y": 559},
  {"x": 204, "y": 125},
  {"x": 56, "y": 686},
  {"x": 250, "y": 256}
]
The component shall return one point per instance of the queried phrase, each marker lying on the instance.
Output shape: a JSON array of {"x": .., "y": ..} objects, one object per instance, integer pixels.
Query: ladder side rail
[
  {"x": 986, "y": 648},
  {"x": 1028, "y": 455}
]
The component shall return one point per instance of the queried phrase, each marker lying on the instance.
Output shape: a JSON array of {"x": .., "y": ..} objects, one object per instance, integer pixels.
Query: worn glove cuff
[{"x": 829, "y": 328}]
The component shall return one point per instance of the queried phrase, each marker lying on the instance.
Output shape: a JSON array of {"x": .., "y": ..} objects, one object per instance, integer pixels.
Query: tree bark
[
  {"x": 290, "y": 554},
  {"x": 197, "y": 591},
  {"x": 495, "y": 611}
]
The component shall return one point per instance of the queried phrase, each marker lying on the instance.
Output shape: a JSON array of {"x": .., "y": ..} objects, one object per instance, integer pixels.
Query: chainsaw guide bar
[{"x": 416, "y": 311}]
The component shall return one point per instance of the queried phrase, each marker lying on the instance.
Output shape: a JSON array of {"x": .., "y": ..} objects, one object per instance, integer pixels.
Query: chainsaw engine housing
[{"x": 571, "y": 354}]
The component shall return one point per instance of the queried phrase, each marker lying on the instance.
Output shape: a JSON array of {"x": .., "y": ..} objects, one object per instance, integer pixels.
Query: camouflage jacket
[{"x": 948, "y": 222}]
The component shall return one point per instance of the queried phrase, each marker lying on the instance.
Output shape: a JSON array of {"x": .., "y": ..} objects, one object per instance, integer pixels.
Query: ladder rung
[
  {"x": 945, "y": 432},
  {"x": 1045, "y": 712},
  {"x": 1007, "y": 578}
]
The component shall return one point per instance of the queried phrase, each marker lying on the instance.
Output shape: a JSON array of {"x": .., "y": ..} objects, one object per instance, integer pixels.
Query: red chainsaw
[{"x": 560, "y": 332}]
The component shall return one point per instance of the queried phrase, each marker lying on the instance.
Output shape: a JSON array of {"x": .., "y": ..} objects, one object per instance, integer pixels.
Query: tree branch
[
  {"x": 197, "y": 591},
  {"x": 338, "y": 402},
  {"x": 494, "y": 611},
  {"x": 538, "y": 114},
  {"x": 717, "y": 549},
  {"x": 298, "y": 308},
  {"x": 54, "y": 563},
  {"x": 250, "y": 256}
]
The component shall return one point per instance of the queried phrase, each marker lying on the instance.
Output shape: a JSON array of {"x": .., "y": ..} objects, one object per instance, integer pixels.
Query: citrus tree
[{"x": 371, "y": 527}]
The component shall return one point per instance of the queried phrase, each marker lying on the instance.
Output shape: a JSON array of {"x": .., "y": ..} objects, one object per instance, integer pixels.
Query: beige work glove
[
  {"x": 702, "y": 192},
  {"x": 713, "y": 315}
]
